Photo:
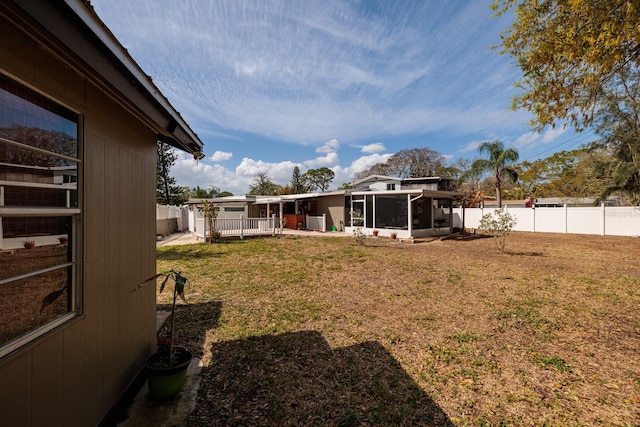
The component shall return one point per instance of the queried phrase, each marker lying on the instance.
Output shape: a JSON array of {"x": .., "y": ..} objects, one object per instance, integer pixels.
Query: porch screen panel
[
  {"x": 369, "y": 212},
  {"x": 39, "y": 215},
  {"x": 391, "y": 211}
]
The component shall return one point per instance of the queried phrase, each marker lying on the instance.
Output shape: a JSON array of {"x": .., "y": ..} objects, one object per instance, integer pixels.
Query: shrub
[{"x": 499, "y": 225}]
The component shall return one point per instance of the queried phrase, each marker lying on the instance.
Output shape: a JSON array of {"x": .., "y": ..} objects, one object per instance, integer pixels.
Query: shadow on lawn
[
  {"x": 297, "y": 379},
  {"x": 192, "y": 323},
  {"x": 182, "y": 252}
]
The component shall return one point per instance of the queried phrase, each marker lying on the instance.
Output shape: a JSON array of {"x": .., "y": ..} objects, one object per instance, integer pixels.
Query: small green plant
[
  {"x": 499, "y": 225},
  {"x": 179, "y": 282},
  {"x": 210, "y": 216},
  {"x": 559, "y": 363},
  {"x": 359, "y": 236}
]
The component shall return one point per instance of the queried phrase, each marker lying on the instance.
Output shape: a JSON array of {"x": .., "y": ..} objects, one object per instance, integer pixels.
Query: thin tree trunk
[{"x": 498, "y": 191}]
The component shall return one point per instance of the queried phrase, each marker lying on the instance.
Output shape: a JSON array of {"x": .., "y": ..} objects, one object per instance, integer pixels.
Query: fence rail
[{"x": 600, "y": 220}]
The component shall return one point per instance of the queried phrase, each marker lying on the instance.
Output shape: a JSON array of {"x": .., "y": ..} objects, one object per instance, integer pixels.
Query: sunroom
[{"x": 406, "y": 213}]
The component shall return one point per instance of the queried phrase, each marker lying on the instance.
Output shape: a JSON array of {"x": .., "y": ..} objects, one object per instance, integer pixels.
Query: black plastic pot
[{"x": 166, "y": 381}]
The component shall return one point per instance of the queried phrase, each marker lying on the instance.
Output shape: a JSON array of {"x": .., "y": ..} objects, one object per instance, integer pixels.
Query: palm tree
[{"x": 497, "y": 164}]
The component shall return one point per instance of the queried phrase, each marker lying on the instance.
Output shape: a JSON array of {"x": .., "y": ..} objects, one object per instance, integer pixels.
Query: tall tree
[
  {"x": 618, "y": 125},
  {"x": 580, "y": 61},
  {"x": 166, "y": 186},
  {"x": 416, "y": 163},
  {"x": 263, "y": 186},
  {"x": 409, "y": 163},
  {"x": 376, "y": 169},
  {"x": 497, "y": 164},
  {"x": 297, "y": 185},
  {"x": 318, "y": 179},
  {"x": 569, "y": 52},
  {"x": 564, "y": 174}
]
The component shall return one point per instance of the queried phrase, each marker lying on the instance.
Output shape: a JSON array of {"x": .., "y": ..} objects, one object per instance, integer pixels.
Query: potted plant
[
  {"x": 392, "y": 235},
  {"x": 375, "y": 233},
  {"x": 167, "y": 368},
  {"x": 29, "y": 244}
]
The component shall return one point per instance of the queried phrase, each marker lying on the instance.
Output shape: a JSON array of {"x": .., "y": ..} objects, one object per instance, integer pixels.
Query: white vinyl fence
[
  {"x": 601, "y": 220},
  {"x": 317, "y": 222},
  {"x": 171, "y": 218}
]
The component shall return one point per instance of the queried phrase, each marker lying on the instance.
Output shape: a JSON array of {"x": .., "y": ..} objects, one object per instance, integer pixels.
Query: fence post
[
  {"x": 273, "y": 224},
  {"x": 533, "y": 218},
  {"x": 241, "y": 227},
  {"x": 602, "y": 220},
  {"x": 565, "y": 213},
  {"x": 324, "y": 222}
]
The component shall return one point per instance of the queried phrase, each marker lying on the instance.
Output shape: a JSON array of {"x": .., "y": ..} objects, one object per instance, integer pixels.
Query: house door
[{"x": 357, "y": 212}]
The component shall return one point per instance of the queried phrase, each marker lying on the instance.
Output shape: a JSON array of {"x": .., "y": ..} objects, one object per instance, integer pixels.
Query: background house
[
  {"x": 79, "y": 122},
  {"x": 408, "y": 207}
]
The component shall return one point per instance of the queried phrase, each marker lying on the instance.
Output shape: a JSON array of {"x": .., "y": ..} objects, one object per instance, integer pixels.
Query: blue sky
[{"x": 270, "y": 85}]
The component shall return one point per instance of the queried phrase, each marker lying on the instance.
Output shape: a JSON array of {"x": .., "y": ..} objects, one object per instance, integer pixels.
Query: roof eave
[{"x": 75, "y": 34}]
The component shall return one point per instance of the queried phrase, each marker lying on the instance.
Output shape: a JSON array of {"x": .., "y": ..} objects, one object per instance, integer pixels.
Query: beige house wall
[
  {"x": 333, "y": 206},
  {"x": 75, "y": 374}
]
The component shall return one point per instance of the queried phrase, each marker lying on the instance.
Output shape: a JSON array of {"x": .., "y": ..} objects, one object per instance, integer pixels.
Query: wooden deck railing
[{"x": 241, "y": 227}]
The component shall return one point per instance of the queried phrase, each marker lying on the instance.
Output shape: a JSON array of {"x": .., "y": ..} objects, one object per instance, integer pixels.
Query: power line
[{"x": 568, "y": 143}]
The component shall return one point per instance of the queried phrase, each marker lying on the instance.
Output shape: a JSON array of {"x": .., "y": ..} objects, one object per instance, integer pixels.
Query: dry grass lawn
[{"x": 322, "y": 331}]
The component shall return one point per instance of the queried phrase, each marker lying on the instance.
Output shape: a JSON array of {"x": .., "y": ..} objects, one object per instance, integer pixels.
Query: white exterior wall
[
  {"x": 382, "y": 185},
  {"x": 233, "y": 214}
]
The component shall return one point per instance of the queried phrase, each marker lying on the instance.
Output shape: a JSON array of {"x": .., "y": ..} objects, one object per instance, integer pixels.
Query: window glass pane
[
  {"x": 31, "y": 119},
  {"x": 43, "y": 230},
  {"x": 22, "y": 159},
  {"x": 53, "y": 248},
  {"x": 51, "y": 197},
  {"x": 32, "y": 302},
  {"x": 38, "y": 184}
]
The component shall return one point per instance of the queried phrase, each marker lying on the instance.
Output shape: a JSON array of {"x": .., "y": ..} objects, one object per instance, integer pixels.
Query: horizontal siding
[{"x": 74, "y": 376}]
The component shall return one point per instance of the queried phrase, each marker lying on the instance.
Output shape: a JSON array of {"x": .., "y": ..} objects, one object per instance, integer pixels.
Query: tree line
[{"x": 580, "y": 173}]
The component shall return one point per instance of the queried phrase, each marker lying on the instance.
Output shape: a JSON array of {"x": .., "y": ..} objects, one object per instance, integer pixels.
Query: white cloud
[
  {"x": 526, "y": 139},
  {"x": 220, "y": 156},
  {"x": 471, "y": 146},
  {"x": 279, "y": 172},
  {"x": 553, "y": 134},
  {"x": 365, "y": 162},
  {"x": 191, "y": 173},
  {"x": 329, "y": 146},
  {"x": 376, "y": 147},
  {"x": 536, "y": 138},
  {"x": 306, "y": 72},
  {"x": 331, "y": 159}
]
